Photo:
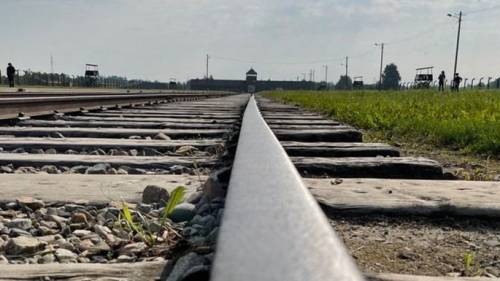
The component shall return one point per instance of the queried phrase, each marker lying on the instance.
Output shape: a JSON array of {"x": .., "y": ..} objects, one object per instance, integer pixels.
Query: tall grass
[{"x": 468, "y": 121}]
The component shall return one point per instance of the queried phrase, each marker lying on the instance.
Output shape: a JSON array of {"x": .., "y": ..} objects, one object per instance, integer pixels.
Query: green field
[{"x": 468, "y": 121}]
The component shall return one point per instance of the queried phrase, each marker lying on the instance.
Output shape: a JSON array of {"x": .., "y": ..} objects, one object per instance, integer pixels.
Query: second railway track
[{"x": 68, "y": 175}]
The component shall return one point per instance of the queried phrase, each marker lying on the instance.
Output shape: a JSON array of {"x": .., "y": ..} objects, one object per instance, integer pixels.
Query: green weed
[{"x": 141, "y": 224}]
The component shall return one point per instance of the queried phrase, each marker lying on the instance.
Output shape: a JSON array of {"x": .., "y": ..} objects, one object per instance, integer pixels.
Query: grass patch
[{"x": 468, "y": 121}]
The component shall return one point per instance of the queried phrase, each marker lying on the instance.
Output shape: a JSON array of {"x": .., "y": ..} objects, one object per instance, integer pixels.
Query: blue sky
[{"x": 162, "y": 39}]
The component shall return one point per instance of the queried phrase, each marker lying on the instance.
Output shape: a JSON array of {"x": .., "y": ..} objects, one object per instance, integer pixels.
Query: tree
[
  {"x": 344, "y": 83},
  {"x": 391, "y": 77}
]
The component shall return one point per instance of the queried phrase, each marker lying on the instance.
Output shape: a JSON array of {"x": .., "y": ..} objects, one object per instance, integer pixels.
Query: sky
[{"x": 280, "y": 39}]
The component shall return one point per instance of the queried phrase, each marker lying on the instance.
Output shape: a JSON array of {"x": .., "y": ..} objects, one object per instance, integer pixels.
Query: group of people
[
  {"x": 455, "y": 85},
  {"x": 11, "y": 72}
]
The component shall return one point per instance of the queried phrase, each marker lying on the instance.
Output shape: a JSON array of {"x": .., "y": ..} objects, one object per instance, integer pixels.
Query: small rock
[
  {"x": 213, "y": 189},
  {"x": 37, "y": 151},
  {"x": 15, "y": 232},
  {"x": 49, "y": 224},
  {"x": 183, "y": 265},
  {"x": 133, "y": 249},
  {"x": 23, "y": 224},
  {"x": 79, "y": 218},
  {"x": 48, "y": 258},
  {"x": 492, "y": 243},
  {"x": 195, "y": 197},
  {"x": 83, "y": 260},
  {"x": 178, "y": 169},
  {"x": 23, "y": 245},
  {"x": 6, "y": 170},
  {"x": 81, "y": 232},
  {"x": 98, "y": 169},
  {"x": 85, "y": 245},
  {"x": 30, "y": 202},
  {"x": 26, "y": 170},
  {"x": 78, "y": 169},
  {"x": 58, "y": 219},
  {"x": 46, "y": 231},
  {"x": 118, "y": 152},
  {"x": 155, "y": 194},
  {"x": 50, "y": 151},
  {"x": 121, "y": 172},
  {"x": 56, "y": 135},
  {"x": 112, "y": 171},
  {"x": 496, "y": 178},
  {"x": 183, "y": 212},
  {"x": 3, "y": 260},
  {"x": 50, "y": 169},
  {"x": 161, "y": 136},
  {"x": 134, "y": 137},
  {"x": 65, "y": 256},
  {"x": 136, "y": 171},
  {"x": 19, "y": 150},
  {"x": 71, "y": 151},
  {"x": 186, "y": 150},
  {"x": 145, "y": 208},
  {"x": 64, "y": 244},
  {"x": 208, "y": 221},
  {"x": 101, "y": 246},
  {"x": 102, "y": 231},
  {"x": 73, "y": 207},
  {"x": 125, "y": 258}
]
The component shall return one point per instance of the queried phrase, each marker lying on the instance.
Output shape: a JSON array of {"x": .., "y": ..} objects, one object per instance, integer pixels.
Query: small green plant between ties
[{"x": 150, "y": 229}]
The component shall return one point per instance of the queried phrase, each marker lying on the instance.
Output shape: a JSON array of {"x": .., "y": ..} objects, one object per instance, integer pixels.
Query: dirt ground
[
  {"x": 441, "y": 246},
  {"x": 463, "y": 166}
]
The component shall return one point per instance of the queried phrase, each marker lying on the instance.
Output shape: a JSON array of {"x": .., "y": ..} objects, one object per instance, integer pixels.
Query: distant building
[{"x": 251, "y": 84}]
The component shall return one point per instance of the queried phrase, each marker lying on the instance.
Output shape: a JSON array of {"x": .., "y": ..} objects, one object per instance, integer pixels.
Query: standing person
[
  {"x": 442, "y": 78},
  {"x": 11, "y": 71},
  {"x": 456, "y": 82}
]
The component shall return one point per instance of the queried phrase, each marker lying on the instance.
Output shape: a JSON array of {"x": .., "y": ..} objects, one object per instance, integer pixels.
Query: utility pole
[
  {"x": 458, "y": 39},
  {"x": 381, "y": 63},
  {"x": 326, "y": 73},
  {"x": 52, "y": 70},
  {"x": 346, "y": 73},
  {"x": 314, "y": 75},
  {"x": 208, "y": 57}
]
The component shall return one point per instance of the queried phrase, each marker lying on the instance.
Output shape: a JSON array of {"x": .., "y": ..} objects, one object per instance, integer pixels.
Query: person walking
[
  {"x": 11, "y": 72},
  {"x": 456, "y": 82},
  {"x": 442, "y": 78}
]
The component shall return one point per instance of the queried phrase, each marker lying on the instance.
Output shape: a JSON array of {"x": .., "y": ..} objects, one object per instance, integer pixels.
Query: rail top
[{"x": 273, "y": 229}]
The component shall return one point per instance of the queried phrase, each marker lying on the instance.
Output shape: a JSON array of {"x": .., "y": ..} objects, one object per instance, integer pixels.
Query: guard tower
[
  {"x": 251, "y": 80},
  {"x": 91, "y": 74},
  {"x": 424, "y": 77},
  {"x": 358, "y": 82}
]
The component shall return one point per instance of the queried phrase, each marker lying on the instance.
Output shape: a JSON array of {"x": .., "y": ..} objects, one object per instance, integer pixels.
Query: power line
[{"x": 482, "y": 10}]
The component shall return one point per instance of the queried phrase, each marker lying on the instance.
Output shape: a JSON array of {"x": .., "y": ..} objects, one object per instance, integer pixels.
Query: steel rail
[
  {"x": 12, "y": 107},
  {"x": 4, "y": 95},
  {"x": 273, "y": 229}
]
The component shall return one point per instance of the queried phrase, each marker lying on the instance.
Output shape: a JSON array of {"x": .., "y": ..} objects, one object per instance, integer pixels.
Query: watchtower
[
  {"x": 251, "y": 80},
  {"x": 91, "y": 74},
  {"x": 251, "y": 75}
]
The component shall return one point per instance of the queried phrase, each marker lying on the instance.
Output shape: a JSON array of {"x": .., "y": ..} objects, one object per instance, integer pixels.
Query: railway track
[
  {"x": 22, "y": 104},
  {"x": 70, "y": 174}
]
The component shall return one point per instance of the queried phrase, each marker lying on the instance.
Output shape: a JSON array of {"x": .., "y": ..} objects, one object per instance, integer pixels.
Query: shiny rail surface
[{"x": 273, "y": 229}]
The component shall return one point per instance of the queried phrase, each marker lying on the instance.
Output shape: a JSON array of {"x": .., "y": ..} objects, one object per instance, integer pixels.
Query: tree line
[
  {"x": 36, "y": 78},
  {"x": 390, "y": 80}
]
